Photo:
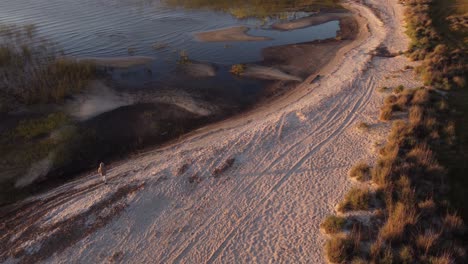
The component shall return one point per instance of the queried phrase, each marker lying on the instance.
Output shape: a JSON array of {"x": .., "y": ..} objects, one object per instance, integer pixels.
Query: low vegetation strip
[{"x": 416, "y": 222}]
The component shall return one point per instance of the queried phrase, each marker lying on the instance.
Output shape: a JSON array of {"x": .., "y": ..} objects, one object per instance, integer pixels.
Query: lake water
[{"x": 109, "y": 27}]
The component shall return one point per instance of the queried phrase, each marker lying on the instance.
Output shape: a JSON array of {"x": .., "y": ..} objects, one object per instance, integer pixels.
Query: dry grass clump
[
  {"x": 360, "y": 171},
  {"x": 406, "y": 254},
  {"x": 453, "y": 223},
  {"x": 386, "y": 113},
  {"x": 363, "y": 126},
  {"x": 356, "y": 199},
  {"x": 416, "y": 114},
  {"x": 421, "y": 97},
  {"x": 395, "y": 228},
  {"x": 399, "y": 89},
  {"x": 427, "y": 240},
  {"x": 391, "y": 99},
  {"x": 339, "y": 249},
  {"x": 333, "y": 224}
]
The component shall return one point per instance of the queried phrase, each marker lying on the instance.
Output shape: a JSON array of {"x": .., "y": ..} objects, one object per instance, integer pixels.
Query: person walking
[{"x": 102, "y": 171}]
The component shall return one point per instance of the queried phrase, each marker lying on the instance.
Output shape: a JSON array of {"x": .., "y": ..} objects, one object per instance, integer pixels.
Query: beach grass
[{"x": 420, "y": 220}]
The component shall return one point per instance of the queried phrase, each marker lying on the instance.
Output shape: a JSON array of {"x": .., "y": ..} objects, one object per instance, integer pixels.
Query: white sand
[{"x": 291, "y": 162}]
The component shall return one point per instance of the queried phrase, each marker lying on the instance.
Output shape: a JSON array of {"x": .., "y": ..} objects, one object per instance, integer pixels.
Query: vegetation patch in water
[
  {"x": 31, "y": 70},
  {"x": 256, "y": 8}
]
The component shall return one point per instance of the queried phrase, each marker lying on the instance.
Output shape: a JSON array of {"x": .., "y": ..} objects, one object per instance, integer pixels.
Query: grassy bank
[
  {"x": 414, "y": 216},
  {"x": 449, "y": 16}
]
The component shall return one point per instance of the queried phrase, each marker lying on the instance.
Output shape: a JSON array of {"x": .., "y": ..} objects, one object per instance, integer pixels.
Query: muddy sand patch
[{"x": 228, "y": 34}]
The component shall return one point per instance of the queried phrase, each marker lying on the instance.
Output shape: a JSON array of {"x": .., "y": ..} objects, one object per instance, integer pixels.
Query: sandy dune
[{"x": 188, "y": 203}]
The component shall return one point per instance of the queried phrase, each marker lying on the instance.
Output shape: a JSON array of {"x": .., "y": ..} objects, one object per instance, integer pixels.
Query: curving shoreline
[{"x": 291, "y": 157}]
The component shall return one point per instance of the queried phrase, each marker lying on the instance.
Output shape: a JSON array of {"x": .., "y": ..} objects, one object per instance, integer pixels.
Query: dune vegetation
[{"x": 418, "y": 220}]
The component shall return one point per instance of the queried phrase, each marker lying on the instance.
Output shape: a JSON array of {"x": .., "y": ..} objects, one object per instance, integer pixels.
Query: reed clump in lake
[{"x": 32, "y": 71}]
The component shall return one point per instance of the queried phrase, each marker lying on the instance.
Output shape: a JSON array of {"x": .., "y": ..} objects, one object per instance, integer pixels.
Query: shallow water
[{"x": 110, "y": 27}]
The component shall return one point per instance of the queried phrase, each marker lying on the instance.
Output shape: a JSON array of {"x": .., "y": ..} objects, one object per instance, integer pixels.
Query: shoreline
[{"x": 290, "y": 154}]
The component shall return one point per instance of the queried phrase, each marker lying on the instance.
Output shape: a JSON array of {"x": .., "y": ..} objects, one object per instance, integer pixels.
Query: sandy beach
[
  {"x": 228, "y": 34},
  {"x": 251, "y": 189}
]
